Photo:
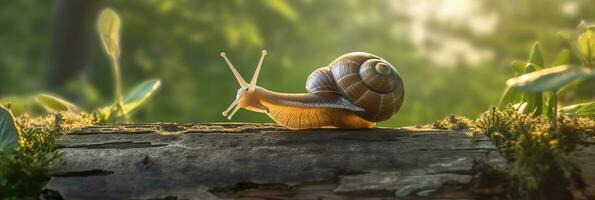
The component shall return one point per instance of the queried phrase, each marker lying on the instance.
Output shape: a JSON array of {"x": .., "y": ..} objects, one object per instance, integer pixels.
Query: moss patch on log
[
  {"x": 23, "y": 171},
  {"x": 452, "y": 122},
  {"x": 537, "y": 149}
]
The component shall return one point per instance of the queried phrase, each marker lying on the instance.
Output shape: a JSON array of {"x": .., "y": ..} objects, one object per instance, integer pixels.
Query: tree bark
[
  {"x": 583, "y": 158},
  {"x": 73, "y": 28},
  {"x": 255, "y": 161}
]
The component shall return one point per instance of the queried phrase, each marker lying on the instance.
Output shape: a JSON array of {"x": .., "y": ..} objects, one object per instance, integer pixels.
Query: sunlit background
[{"x": 453, "y": 55}]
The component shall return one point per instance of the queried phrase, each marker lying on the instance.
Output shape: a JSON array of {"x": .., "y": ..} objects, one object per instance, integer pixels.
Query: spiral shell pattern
[{"x": 367, "y": 80}]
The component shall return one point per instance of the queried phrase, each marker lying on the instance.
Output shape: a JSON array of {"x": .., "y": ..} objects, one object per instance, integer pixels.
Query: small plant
[
  {"x": 108, "y": 28},
  {"x": 26, "y": 151},
  {"x": 527, "y": 127},
  {"x": 536, "y": 90},
  {"x": 539, "y": 166}
]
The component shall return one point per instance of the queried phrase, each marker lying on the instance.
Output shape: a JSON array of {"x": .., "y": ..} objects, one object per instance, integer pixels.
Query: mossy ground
[
  {"x": 23, "y": 170},
  {"x": 452, "y": 122},
  {"x": 537, "y": 150}
]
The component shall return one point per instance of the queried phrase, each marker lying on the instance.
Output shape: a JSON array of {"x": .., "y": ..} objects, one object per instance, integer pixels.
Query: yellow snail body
[{"x": 356, "y": 90}]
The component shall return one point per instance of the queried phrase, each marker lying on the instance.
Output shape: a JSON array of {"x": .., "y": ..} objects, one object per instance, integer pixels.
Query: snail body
[{"x": 355, "y": 91}]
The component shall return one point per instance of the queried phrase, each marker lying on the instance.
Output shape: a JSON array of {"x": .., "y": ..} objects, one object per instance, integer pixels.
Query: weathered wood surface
[
  {"x": 584, "y": 158},
  {"x": 264, "y": 161}
]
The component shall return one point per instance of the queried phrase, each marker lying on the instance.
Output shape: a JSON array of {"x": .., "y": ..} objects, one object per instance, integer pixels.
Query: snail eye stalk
[
  {"x": 257, "y": 72},
  {"x": 235, "y": 72},
  {"x": 233, "y": 107}
]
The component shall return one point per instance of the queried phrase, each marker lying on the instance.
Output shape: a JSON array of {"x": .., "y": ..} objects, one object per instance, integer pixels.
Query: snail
[{"x": 356, "y": 90}]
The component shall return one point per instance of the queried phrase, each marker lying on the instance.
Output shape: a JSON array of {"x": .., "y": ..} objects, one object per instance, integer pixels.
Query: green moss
[
  {"x": 23, "y": 171},
  {"x": 453, "y": 122},
  {"x": 537, "y": 150}
]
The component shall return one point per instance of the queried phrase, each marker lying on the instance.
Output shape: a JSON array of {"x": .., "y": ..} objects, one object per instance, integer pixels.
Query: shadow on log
[{"x": 264, "y": 161}]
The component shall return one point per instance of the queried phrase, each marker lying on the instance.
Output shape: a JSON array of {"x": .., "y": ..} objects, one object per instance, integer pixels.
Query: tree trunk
[
  {"x": 73, "y": 28},
  {"x": 256, "y": 161}
]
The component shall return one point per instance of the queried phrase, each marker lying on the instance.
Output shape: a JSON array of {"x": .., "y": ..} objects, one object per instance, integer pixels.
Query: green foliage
[
  {"x": 539, "y": 167},
  {"x": 587, "y": 110},
  {"x": 563, "y": 58},
  {"x": 8, "y": 130},
  {"x": 23, "y": 173},
  {"x": 581, "y": 109},
  {"x": 23, "y": 170},
  {"x": 108, "y": 27},
  {"x": 537, "y": 145},
  {"x": 140, "y": 94},
  {"x": 540, "y": 88},
  {"x": 518, "y": 67},
  {"x": 513, "y": 95},
  {"x": 536, "y": 55},
  {"x": 178, "y": 42},
  {"x": 549, "y": 79},
  {"x": 534, "y": 100},
  {"x": 53, "y": 104},
  {"x": 136, "y": 97},
  {"x": 586, "y": 44},
  {"x": 19, "y": 104}
]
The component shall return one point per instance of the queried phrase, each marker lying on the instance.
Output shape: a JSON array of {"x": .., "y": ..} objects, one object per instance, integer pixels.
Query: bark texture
[{"x": 265, "y": 161}]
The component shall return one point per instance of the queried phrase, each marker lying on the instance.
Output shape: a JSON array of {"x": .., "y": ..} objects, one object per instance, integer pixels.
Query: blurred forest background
[{"x": 453, "y": 55}]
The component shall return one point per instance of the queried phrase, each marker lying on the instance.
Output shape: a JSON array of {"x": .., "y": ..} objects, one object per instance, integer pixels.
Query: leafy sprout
[
  {"x": 543, "y": 84},
  {"x": 108, "y": 27},
  {"x": 586, "y": 45}
]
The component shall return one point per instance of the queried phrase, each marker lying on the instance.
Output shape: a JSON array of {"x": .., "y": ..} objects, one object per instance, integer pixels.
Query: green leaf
[
  {"x": 9, "y": 136},
  {"x": 550, "y": 103},
  {"x": 104, "y": 114},
  {"x": 572, "y": 86},
  {"x": 549, "y": 79},
  {"x": 531, "y": 67},
  {"x": 536, "y": 56},
  {"x": 562, "y": 58},
  {"x": 510, "y": 96},
  {"x": 533, "y": 101},
  {"x": 575, "y": 108},
  {"x": 518, "y": 67},
  {"x": 587, "y": 110},
  {"x": 108, "y": 26},
  {"x": 586, "y": 43},
  {"x": 18, "y": 104},
  {"x": 140, "y": 94},
  {"x": 571, "y": 109},
  {"x": 55, "y": 104}
]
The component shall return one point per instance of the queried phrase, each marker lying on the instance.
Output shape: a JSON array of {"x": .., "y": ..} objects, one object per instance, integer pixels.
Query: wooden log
[
  {"x": 265, "y": 161},
  {"x": 583, "y": 157}
]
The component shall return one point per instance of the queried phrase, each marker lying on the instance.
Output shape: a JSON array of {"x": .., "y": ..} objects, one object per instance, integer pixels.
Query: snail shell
[{"x": 367, "y": 80}]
